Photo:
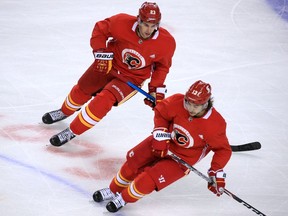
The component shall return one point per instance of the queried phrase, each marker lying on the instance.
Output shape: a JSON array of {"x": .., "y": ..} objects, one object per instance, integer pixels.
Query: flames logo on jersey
[
  {"x": 181, "y": 136},
  {"x": 133, "y": 59}
]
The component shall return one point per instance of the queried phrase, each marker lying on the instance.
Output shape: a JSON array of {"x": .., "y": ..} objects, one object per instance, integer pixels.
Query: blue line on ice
[{"x": 49, "y": 175}]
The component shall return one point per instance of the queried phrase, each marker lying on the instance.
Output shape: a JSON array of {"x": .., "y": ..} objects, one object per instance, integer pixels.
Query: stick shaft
[
  {"x": 132, "y": 85},
  {"x": 141, "y": 91},
  {"x": 230, "y": 194}
]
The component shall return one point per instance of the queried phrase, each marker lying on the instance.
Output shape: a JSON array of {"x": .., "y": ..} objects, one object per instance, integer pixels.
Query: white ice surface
[{"x": 239, "y": 46}]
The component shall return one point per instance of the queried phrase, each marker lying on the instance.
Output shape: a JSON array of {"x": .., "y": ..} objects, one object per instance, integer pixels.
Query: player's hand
[
  {"x": 160, "y": 143},
  {"x": 103, "y": 60},
  {"x": 218, "y": 181},
  {"x": 158, "y": 93}
]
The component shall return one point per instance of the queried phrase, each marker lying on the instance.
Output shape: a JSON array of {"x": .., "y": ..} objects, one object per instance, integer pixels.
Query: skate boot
[
  {"x": 115, "y": 204},
  {"x": 103, "y": 194},
  {"x": 53, "y": 116},
  {"x": 62, "y": 137}
]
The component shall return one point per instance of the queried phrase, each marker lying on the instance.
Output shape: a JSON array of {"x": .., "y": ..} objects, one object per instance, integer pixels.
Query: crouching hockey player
[{"x": 186, "y": 125}]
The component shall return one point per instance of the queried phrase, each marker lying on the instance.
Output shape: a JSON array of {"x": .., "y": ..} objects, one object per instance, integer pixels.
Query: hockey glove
[
  {"x": 160, "y": 143},
  {"x": 103, "y": 60},
  {"x": 158, "y": 93},
  {"x": 217, "y": 184}
]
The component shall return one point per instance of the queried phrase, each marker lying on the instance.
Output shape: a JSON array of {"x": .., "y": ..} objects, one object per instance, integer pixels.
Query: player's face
[
  {"x": 146, "y": 29},
  {"x": 195, "y": 110}
]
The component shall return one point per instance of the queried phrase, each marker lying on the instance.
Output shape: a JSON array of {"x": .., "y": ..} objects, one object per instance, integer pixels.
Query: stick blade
[{"x": 246, "y": 147}]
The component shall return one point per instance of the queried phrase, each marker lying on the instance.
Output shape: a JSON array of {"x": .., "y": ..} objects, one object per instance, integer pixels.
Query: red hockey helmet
[
  {"x": 198, "y": 93},
  {"x": 149, "y": 12}
]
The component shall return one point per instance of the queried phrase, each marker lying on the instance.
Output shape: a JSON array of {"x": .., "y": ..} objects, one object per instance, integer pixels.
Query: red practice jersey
[
  {"x": 135, "y": 58},
  {"x": 193, "y": 138}
]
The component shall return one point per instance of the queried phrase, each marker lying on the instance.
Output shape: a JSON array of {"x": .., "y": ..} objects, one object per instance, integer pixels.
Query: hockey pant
[
  {"x": 142, "y": 173},
  {"x": 105, "y": 91}
]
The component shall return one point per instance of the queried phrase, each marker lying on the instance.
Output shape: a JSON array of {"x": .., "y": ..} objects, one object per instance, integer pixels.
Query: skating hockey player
[{"x": 126, "y": 48}]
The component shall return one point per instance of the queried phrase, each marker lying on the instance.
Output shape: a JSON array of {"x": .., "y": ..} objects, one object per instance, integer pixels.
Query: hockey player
[
  {"x": 188, "y": 126},
  {"x": 126, "y": 48}
]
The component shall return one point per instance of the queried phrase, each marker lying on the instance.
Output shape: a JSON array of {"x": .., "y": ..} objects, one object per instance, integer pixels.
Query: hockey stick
[
  {"x": 230, "y": 194},
  {"x": 246, "y": 147}
]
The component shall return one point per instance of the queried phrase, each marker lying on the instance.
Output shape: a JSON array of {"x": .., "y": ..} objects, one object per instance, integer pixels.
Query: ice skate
[
  {"x": 62, "y": 137},
  {"x": 115, "y": 204},
  {"x": 53, "y": 116},
  {"x": 103, "y": 194}
]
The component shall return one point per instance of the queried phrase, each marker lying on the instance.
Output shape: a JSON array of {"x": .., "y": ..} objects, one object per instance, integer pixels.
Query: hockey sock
[{"x": 141, "y": 186}]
